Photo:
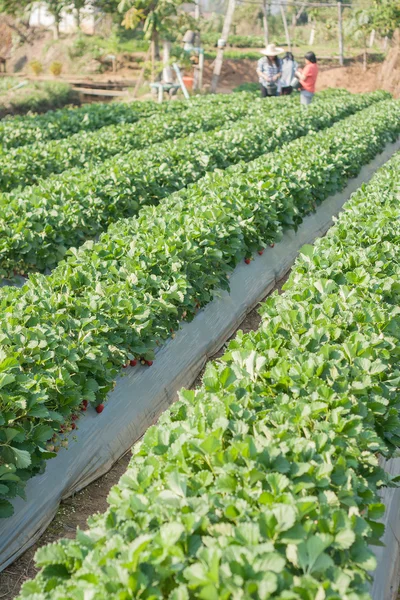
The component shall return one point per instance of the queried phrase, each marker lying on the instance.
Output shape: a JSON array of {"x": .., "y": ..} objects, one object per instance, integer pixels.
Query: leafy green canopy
[
  {"x": 264, "y": 483},
  {"x": 24, "y": 166},
  {"x": 385, "y": 15},
  {"x": 40, "y": 223},
  {"x": 65, "y": 337},
  {"x": 54, "y": 125}
]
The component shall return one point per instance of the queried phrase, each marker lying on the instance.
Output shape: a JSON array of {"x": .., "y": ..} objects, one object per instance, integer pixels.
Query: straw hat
[{"x": 272, "y": 50}]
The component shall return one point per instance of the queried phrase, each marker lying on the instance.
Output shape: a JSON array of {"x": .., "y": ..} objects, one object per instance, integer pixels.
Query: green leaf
[{"x": 6, "y": 509}]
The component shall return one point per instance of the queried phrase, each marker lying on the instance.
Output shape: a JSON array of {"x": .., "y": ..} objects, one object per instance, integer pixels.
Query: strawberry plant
[
  {"x": 54, "y": 125},
  {"x": 265, "y": 482},
  {"x": 38, "y": 224},
  {"x": 66, "y": 336},
  {"x": 26, "y": 165}
]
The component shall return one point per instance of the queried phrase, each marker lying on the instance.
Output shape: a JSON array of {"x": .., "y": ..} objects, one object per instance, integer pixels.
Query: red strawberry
[
  {"x": 271, "y": 245},
  {"x": 126, "y": 365},
  {"x": 74, "y": 417},
  {"x": 73, "y": 425},
  {"x": 83, "y": 408},
  {"x": 149, "y": 363},
  {"x": 247, "y": 261},
  {"x": 261, "y": 252},
  {"x": 85, "y": 402},
  {"x": 100, "y": 408},
  {"x": 133, "y": 363}
]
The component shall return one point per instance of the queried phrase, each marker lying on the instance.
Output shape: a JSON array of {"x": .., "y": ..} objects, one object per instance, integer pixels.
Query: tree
[
  {"x": 385, "y": 15},
  {"x": 361, "y": 26},
  {"x": 19, "y": 11},
  {"x": 158, "y": 17},
  {"x": 78, "y": 6},
  {"x": 55, "y": 8}
]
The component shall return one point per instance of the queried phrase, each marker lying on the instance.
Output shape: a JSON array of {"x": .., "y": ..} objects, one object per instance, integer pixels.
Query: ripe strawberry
[
  {"x": 125, "y": 366},
  {"x": 85, "y": 402},
  {"x": 74, "y": 417},
  {"x": 83, "y": 408},
  {"x": 149, "y": 363},
  {"x": 73, "y": 425},
  {"x": 133, "y": 363},
  {"x": 271, "y": 245},
  {"x": 247, "y": 261},
  {"x": 261, "y": 252},
  {"x": 100, "y": 408}
]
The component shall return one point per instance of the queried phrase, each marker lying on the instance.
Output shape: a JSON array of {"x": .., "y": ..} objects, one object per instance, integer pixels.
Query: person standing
[
  {"x": 289, "y": 68},
  {"x": 308, "y": 77},
  {"x": 269, "y": 71}
]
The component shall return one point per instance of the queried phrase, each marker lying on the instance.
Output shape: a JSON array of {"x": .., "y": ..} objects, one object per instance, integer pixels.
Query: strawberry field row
[
  {"x": 38, "y": 224},
  {"x": 265, "y": 482},
  {"x": 55, "y": 125},
  {"x": 66, "y": 336},
  {"x": 26, "y": 165}
]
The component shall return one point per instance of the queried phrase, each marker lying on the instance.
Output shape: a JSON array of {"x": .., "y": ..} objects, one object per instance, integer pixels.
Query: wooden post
[
  {"x": 385, "y": 43},
  {"x": 285, "y": 25},
  {"x": 340, "y": 29},
  {"x": 220, "y": 51},
  {"x": 265, "y": 22},
  {"x": 198, "y": 68},
  {"x": 312, "y": 34},
  {"x": 197, "y": 10},
  {"x": 372, "y": 38},
  {"x": 201, "y": 70}
]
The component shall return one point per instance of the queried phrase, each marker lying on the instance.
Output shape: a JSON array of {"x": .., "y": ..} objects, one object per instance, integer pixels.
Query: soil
[
  {"x": 74, "y": 511},
  {"x": 384, "y": 75}
]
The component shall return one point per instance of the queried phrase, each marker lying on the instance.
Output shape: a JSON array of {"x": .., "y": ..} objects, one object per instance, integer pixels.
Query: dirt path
[{"x": 74, "y": 511}]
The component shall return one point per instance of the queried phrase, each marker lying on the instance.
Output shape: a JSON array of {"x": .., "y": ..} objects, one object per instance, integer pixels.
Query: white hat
[{"x": 272, "y": 50}]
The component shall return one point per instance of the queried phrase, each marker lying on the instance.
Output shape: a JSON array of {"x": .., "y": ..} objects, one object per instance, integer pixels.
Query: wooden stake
[
  {"x": 340, "y": 29},
  {"x": 220, "y": 51},
  {"x": 265, "y": 22},
  {"x": 285, "y": 25}
]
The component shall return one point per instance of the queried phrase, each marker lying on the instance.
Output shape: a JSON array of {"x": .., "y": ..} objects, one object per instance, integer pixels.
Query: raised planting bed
[
  {"x": 25, "y": 166},
  {"x": 192, "y": 285},
  {"x": 39, "y": 224},
  {"x": 265, "y": 482}
]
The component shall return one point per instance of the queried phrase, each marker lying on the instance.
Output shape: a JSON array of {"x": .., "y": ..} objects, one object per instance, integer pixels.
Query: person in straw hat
[{"x": 269, "y": 70}]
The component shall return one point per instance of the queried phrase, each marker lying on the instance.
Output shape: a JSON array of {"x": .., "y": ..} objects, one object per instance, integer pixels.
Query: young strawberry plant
[
  {"x": 38, "y": 224},
  {"x": 55, "y": 125},
  {"x": 26, "y": 165},
  {"x": 65, "y": 337},
  {"x": 265, "y": 482}
]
